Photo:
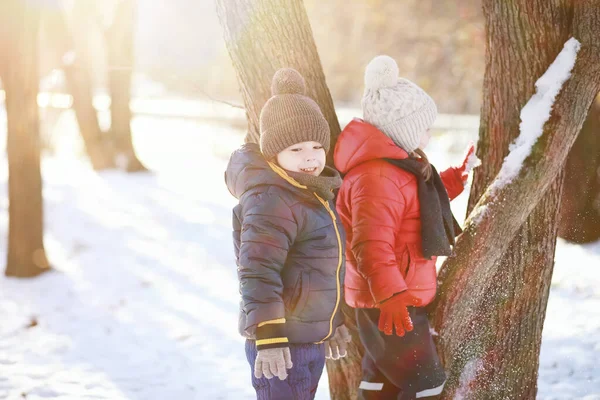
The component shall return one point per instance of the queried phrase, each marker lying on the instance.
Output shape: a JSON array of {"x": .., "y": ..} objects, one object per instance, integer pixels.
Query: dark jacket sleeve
[{"x": 268, "y": 230}]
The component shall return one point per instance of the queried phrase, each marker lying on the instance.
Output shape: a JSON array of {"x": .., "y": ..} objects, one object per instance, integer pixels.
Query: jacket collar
[{"x": 360, "y": 142}]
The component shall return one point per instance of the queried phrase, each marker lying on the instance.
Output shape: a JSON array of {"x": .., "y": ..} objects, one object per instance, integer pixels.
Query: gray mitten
[
  {"x": 273, "y": 362},
  {"x": 336, "y": 347}
]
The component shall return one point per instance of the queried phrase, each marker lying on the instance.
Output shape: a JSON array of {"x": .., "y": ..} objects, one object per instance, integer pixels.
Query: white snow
[
  {"x": 143, "y": 303},
  {"x": 472, "y": 162},
  {"x": 537, "y": 111},
  {"x": 478, "y": 213},
  {"x": 467, "y": 377}
]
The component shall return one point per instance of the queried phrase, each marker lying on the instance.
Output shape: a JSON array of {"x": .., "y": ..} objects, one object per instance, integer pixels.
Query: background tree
[
  {"x": 19, "y": 74},
  {"x": 263, "y": 36},
  {"x": 493, "y": 294},
  {"x": 120, "y": 52},
  {"x": 69, "y": 56},
  {"x": 67, "y": 31},
  {"x": 580, "y": 202}
]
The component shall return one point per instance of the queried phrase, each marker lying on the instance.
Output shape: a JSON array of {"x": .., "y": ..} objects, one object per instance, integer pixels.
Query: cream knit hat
[{"x": 396, "y": 106}]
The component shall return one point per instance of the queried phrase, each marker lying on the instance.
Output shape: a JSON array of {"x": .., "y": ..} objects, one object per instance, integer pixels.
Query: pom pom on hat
[
  {"x": 288, "y": 81},
  {"x": 381, "y": 72}
]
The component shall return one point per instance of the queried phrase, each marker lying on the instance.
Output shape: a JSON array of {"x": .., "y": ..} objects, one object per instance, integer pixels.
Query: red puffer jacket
[{"x": 379, "y": 207}]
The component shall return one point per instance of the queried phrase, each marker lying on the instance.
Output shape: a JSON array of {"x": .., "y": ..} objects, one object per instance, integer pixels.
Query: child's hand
[
  {"x": 471, "y": 161},
  {"x": 336, "y": 347},
  {"x": 394, "y": 313},
  {"x": 273, "y": 362}
]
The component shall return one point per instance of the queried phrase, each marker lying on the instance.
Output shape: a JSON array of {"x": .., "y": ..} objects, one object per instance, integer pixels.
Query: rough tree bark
[
  {"x": 580, "y": 202},
  {"x": 79, "y": 83},
  {"x": 26, "y": 254},
  {"x": 120, "y": 48},
  {"x": 263, "y": 36},
  {"x": 493, "y": 293}
]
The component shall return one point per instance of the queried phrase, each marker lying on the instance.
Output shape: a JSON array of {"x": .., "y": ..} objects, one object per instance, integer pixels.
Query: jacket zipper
[
  {"x": 279, "y": 171},
  {"x": 339, "y": 267}
]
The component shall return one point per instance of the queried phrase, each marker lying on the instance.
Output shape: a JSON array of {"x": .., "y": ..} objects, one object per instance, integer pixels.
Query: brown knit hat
[{"x": 290, "y": 117}]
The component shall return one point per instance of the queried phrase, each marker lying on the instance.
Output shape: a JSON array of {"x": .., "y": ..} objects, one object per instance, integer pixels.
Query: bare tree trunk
[
  {"x": 263, "y": 36},
  {"x": 26, "y": 254},
  {"x": 580, "y": 203},
  {"x": 493, "y": 295},
  {"x": 79, "y": 82},
  {"x": 345, "y": 374},
  {"x": 120, "y": 48}
]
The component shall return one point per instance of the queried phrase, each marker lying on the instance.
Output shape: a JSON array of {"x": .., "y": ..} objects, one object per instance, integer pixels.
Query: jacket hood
[
  {"x": 360, "y": 142},
  {"x": 248, "y": 169}
]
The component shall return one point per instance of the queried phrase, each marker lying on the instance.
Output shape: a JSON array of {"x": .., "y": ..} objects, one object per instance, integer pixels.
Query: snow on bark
[
  {"x": 468, "y": 378},
  {"x": 537, "y": 111},
  {"x": 472, "y": 162}
]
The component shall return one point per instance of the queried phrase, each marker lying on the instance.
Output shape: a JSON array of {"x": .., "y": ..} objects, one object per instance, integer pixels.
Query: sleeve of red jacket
[
  {"x": 453, "y": 182},
  {"x": 376, "y": 207}
]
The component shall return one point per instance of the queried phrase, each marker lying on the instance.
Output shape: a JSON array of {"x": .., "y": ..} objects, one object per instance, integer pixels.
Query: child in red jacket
[{"x": 396, "y": 212}]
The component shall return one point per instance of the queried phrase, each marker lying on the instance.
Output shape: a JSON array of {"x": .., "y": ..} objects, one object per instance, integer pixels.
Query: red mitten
[
  {"x": 394, "y": 313},
  {"x": 471, "y": 161}
]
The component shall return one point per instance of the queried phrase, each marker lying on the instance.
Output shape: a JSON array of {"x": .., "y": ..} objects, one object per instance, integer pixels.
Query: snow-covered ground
[{"x": 142, "y": 303}]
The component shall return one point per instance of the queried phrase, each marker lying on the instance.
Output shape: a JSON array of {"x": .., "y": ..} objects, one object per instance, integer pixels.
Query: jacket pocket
[
  {"x": 304, "y": 292},
  {"x": 411, "y": 265},
  {"x": 243, "y": 323},
  {"x": 296, "y": 302}
]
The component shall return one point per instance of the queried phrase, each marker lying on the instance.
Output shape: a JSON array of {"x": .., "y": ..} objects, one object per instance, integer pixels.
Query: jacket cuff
[
  {"x": 386, "y": 283},
  {"x": 271, "y": 334},
  {"x": 259, "y": 312}
]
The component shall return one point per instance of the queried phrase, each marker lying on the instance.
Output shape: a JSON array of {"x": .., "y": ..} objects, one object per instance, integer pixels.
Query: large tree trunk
[
  {"x": 120, "y": 47},
  {"x": 26, "y": 254},
  {"x": 493, "y": 294},
  {"x": 79, "y": 82},
  {"x": 580, "y": 203},
  {"x": 263, "y": 36}
]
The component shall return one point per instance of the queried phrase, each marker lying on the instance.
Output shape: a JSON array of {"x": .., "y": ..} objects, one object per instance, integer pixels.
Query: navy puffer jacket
[{"x": 289, "y": 247}]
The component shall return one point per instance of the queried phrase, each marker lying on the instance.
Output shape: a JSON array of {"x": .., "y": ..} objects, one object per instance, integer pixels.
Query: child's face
[
  {"x": 305, "y": 157},
  {"x": 425, "y": 139}
]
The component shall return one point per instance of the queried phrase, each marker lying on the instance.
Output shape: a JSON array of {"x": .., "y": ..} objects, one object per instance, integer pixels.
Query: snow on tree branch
[{"x": 536, "y": 112}]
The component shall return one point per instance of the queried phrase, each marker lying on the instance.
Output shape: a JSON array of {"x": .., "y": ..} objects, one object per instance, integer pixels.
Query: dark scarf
[
  {"x": 438, "y": 226},
  {"x": 323, "y": 185}
]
